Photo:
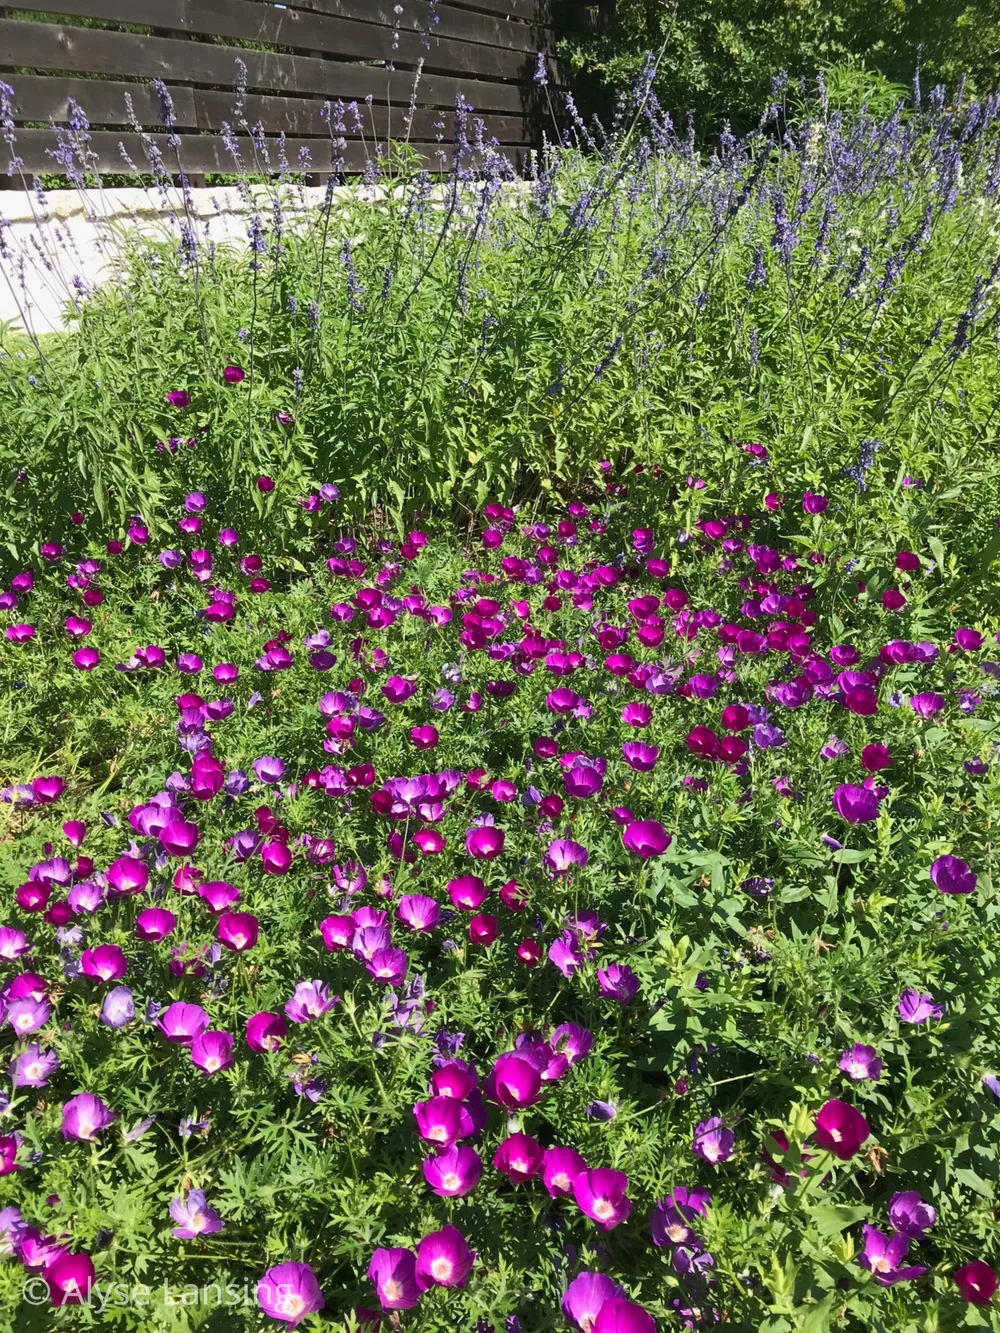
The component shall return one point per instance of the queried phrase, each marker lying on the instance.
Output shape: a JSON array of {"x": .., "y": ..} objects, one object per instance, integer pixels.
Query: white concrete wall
[{"x": 48, "y": 249}]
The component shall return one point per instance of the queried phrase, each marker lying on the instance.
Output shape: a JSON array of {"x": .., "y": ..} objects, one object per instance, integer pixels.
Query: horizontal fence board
[
  {"x": 554, "y": 13},
  {"x": 206, "y": 153},
  {"x": 44, "y": 98},
  {"x": 465, "y": 24},
  {"x": 94, "y": 51},
  {"x": 251, "y": 20}
]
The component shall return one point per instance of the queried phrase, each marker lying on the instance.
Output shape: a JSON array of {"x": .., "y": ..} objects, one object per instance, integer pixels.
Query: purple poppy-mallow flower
[
  {"x": 128, "y": 875},
  {"x": 840, "y": 1128},
  {"x": 193, "y": 1217},
  {"x": 713, "y": 1141},
  {"x": 105, "y": 963},
  {"x": 882, "y": 1256},
  {"x": 910, "y": 1215},
  {"x": 519, "y": 1157},
  {"x": 33, "y": 1067},
  {"x": 560, "y": 1167},
  {"x": 70, "y": 1279},
  {"x": 861, "y": 1062},
  {"x": 442, "y": 1120},
  {"x": 311, "y": 999},
  {"x": 618, "y": 982},
  {"x": 237, "y": 931},
  {"x": 928, "y": 704},
  {"x": 154, "y": 924},
  {"x": 856, "y": 805},
  {"x": 418, "y": 912},
  {"x": 484, "y": 843},
  {"x": 393, "y": 1273},
  {"x": 976, "y": 1282},
  {"x": 266, "y": 1032},
  {"x": 639, "y": 756},
  {"x": 84, "y": 1116},
  {"x": 950, "y": 874},
  {"x": 388, "y": 966},
  {"x": 455, "y": 1172},
  {"x": 514, "y": 1082},
  {"x": 670, "y": 1222},
  {"x": 25, "y": 1014},
  {"x": 601, "y": 1195},
  {"x": 211, "y": 1052},
  {"x": 269, "y": 770},
  {"x": 444, "y": 1259},
  {"x": 646, "y": 838},
  {"x": 585, "y": 1297},
  {"x": 915, "y": 1007},
  {"x": 13, "y": 943},
  {"x": 289, "y": 1292},
  {"x": 181, "y": 1022},
  {"x": 562, "y": 855},
  {"x": 573, "y": 1041},
  {"x": 118, "y": 1007},
  {"x": 624, "y": 1316}
]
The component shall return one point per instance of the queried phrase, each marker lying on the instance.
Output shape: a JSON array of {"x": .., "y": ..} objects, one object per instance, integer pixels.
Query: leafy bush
[
  {"x": 719, "y": 56},
  {"x": 633, "y": 838}
]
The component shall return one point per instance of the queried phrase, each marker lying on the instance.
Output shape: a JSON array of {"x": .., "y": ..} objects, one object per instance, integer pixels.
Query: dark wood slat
[
  {"x": 465, "y": 24},
  {"x": 94, "y": 51},
  {"x": 45, "y": 97},
  {"x": 204, "y": 153},
  {"x": 251, "y": 21}
]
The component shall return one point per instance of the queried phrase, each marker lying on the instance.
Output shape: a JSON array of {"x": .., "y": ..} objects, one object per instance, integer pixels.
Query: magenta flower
[
  {"x": 586, "y": 1296},
  {"x": 33, "y": 1067},
  {"x": 573, "y": 1041},
  {"x": 337, "y": 932},
  {"x": 179, "y": 398},
  {"x": 713, "y": 1141},
  {"x": 519, "y": 1157},
  {"x": 9, "y": 1144},
  {"x": 193, "y": 1217},
  {"x": 860, "y": 1063},
  {"x": 840, "y": 1129},
  {"x": 84, "y": 1116},
  {"x": 646, "y": 838},
  {"x": 622, "y": 1316},
  {"x": 128, "y": 875},
  {"x": 909, "y": 1214},
  {"x": 234, "y": 375},
  {"x": 917, "y": 1008},
  {"x": 560, "y": 1167},
  {"x": 70, "y": 1278},
  {"x": 637, "y": 715},
  {"x": 639, "y": 756},
  {"x": 179, "y": 838},
  {"x": 388, "y": 966},
  {"x": 952, "y": 875},
  {"x": 976, "y": 1282},
  {"x": 601, "y": 1195},
  {"x": 419, "y": 912},
  {"x": 484, "y": 843},
  {"x": 266, "y": 1032},
  {"x": 468, "y": 893},
  {"x": 105, "y": 963},
  {"x": 928, "y": 704},
  {"x": 670, "y": 1222},
  {"x": 275, "y": 858},
  {"x": 289, "y": 1292},
  {"x": 442, "y": 1120},
  {"x": 618, "y": 982},
  {"x": 562, "y": 855},
  {"x": 393, "y": 1273},
  {"x": 237, "y": 931},
  {"x": 455, "y": 1172},
  {"x": 13, "y": 943},
  {"x": 813, "y": 503},
  {"x": 858, "y": 805},
  {"x": 444, "y": 1259},
  {"x": 211, "y": 1052},
  {"x": 311, "y": 999},
  {"x": 181, "y": 1022},
  {"x": 514, "y": 1082},
  {"x": 154, "y": 924},
  {"x": 883, "y": 1255}
]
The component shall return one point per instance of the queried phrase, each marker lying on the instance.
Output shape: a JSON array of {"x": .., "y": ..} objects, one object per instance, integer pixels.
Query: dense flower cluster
[{"x": 621, "y": 694}]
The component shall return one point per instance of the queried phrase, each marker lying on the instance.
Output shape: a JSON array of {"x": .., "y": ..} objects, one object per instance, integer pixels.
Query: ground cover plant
[{"x": 577, "y": 916}]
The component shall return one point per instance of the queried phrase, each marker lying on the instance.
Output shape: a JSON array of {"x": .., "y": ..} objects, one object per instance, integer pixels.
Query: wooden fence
[{"x": 298, "y": 57}]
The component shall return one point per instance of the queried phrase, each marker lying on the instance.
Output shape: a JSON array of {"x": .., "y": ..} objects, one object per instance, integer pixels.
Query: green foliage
[{"x": 719, "y": 56}]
